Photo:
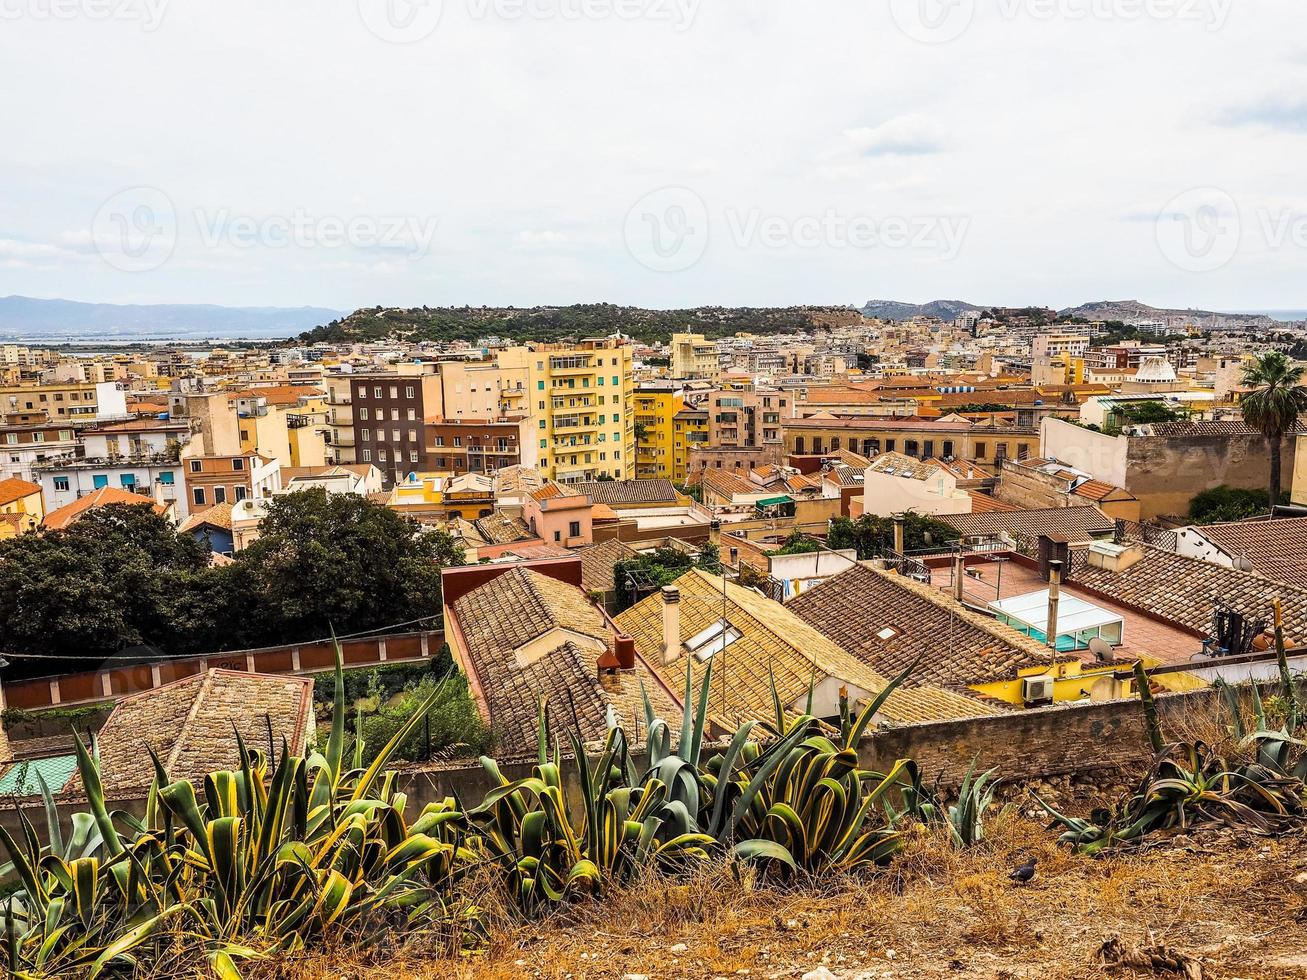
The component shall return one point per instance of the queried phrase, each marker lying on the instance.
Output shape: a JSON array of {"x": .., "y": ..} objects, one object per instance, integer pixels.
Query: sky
[{"x": 659, "y": 153}]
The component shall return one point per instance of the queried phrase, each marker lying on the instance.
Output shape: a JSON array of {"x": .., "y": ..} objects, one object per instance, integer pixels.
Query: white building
[{"x": 894, "y": 484}]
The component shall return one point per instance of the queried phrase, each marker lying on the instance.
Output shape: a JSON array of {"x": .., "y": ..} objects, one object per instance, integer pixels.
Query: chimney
[
  {"x": 1054, "y": 596},
  {"x": 624, "y": 648},
  {"x": 900, "y": 522},
  {"x": 671, "y": 624}
]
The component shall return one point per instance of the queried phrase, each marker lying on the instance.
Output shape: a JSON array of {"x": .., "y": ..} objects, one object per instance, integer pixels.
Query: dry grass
[{"x": 1234, "y": 904}]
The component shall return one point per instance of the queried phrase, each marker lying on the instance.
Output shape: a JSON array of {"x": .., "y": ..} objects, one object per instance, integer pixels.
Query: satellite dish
[{"x": 1101, "y": 649}]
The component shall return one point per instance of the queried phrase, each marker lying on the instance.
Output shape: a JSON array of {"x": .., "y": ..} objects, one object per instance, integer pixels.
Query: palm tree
[{"x": 1273, "y": 404}]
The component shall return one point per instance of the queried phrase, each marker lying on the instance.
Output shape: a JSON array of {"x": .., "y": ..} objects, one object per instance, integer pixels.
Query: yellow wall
[
  {"x": 656, "y": 453},
  {"x": 267, "y": 435},
  {"x": 579, "y": 402},
  {"x": 1071, "y": 681},
  {"x": 1300, "y": 473},
  {"x": 682, "y": 443}
]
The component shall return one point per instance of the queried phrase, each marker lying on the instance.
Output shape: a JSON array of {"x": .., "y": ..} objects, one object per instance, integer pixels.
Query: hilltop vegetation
[{"x": 555, "y": 323}]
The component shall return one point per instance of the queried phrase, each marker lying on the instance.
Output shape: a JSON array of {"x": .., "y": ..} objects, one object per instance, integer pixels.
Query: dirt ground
[{"x": 1226, "y": 907}]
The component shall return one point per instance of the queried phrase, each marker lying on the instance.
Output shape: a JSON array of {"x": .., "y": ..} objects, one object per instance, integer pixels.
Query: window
[
  {"x": 61, "y": 483},
  {"x": 412, "y": 435},
  {"x": 458, "y": 441},
  {"x": 413, "y": 456},
  {"x": 394, "y": 435},
  {"x": 381, "y": 455},
  {"x": 219, "y": 495},
  {"x": 440, "y": 440},
  {"x": 363, "y": 414},
  {"x": 412, "y": 415},
  {"x": 363, "y": 391},
  {"x": 376, "y": 391},
  {"x": 238, "y": 463},
  {"x": 367, "y": 435},
  {"x": 408, "y": 391},
  {"x": 713, "y": 640},
  {"x": 38, "y": 437},
  {"x": 558, "y": 535},
  {"x": 100, "y": 480},
  {"x": 367, "y": 455},
  {"x": 574, "y": 529},
  {"x": 394, "y": 391},
  {"x": 240, "y": 493},
  {"x": 245, "y": 435},
  {"x": 12, "y": 438},
  {"x": 197, "y": 494},
  {"x": 394, "y": 415},
  {"x": 616, "y": 381}
]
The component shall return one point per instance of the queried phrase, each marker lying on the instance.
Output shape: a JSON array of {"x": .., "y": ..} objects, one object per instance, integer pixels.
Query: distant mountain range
[
  {"x": 1124, "y": 310},
  {"x": 60, "y": 319}
]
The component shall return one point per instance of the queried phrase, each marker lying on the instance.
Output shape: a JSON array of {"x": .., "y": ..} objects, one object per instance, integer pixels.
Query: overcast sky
[{"x": 654, "y": 152}]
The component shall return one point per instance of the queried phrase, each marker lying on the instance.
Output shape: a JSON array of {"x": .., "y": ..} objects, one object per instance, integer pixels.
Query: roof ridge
[{"x": 206, "y": 685}]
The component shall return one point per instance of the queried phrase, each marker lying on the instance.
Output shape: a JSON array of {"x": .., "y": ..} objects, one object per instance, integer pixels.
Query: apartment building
[
  {"x": 69, "y": 400},
  {"x": 340, "y": 445},
  {"x": 694, "y": 357},
  {"x": 746, "y": 419},
  {"x": 212, "y": 480},
  {"x": 470, "y": 445},
  {"x": 656, "y": 407},
  {"x": 1056, "y": 344},
  {"x": 579, "y": 397},
  {"x": 915, "y": 437},
  {"x": 29, "y": 438},
  {"x": 690, "y": 432},
  {"x": 389, "y": 414}
]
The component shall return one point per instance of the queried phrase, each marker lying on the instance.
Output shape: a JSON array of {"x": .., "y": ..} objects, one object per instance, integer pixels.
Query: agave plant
[
  {"x": 551, "y": 852},
  {"x": 252, "y": 864}
]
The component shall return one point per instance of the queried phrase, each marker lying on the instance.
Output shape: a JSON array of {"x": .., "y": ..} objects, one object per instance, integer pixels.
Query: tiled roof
[
  {"x": 727, "y": 483},
  {"x": 910, "y": 424},
  {"x": 845, "y": 476},
  {"x": 277, "y": 394},
  {"x": 896, "y": 464},
  {"x": 70, "y": 513},
  {"x": 1094, "y": 490},
  {"x": 502, "y": 528},
  {"x": 1074, "y": 523},
  {"x": 14, "y": 489},
  {"x": 190, "y": 724},
  {"x": 956, "y": 646},
  {"x": 523, "y": 605},
  {"x": 1183, "y": 590},
  {"x": 618, "y": 493},
  {"x": 1276, "y": 549},
  {"x": 777, "y": 642},
  {"x": 598, "y": 561},
  {"x": 1228, "y": 427},
  {"x": 219, "y": 515},
  {"x": 983, "y": 503}
]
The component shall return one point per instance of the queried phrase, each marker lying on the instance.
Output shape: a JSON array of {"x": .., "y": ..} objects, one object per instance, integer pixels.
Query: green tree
[
  {"x": 1273, "y": 405},
  {"x": 1222, "y": 504},
  {"x": 338, "y": 561},
  {"x": 873, "y": 536},
  {"x": 115, "y": 579}
]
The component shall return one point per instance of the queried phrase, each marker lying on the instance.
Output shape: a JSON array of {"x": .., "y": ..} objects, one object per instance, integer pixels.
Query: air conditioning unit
[{"x": 1037, "y": 690}]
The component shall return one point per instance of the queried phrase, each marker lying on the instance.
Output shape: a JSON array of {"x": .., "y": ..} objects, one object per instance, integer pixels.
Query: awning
[{"x": 775, "y": 501}]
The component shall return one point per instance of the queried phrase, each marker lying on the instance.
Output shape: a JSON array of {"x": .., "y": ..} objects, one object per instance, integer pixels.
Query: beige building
[
  {"x": 1300, "y": 473},
  {"x": 694, "y": 357}
]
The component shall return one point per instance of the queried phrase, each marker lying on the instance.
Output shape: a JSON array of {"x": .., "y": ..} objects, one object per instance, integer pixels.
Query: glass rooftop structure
[{"x": 1078, "y": 621}]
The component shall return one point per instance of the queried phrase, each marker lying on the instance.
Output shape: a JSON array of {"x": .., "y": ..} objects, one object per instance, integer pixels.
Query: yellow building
[
  {"x": 307, "y": 427},
  {"x": 689, "y": 429},
  {"x": 655, "y": 430},
  {"x": 22, "y": 507},
  {"x": 579, "y": 400},
  {"x": 694, "y": 357}
]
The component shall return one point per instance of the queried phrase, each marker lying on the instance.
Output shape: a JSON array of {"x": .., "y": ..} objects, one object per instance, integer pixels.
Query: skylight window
[
  {"x": 709, "y": 642},
  {"x": 888, "y": 633}
]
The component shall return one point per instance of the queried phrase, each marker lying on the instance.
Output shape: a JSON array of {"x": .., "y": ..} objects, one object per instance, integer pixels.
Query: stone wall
[{"x": 1166, "y": 473}]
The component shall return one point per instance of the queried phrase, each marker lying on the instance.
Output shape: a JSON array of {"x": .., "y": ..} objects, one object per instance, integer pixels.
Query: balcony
[
  {"x": 575, "y": 425},
  {"x": 558, "y": 364}
]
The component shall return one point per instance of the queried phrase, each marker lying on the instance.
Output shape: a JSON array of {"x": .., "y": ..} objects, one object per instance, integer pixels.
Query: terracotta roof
[
  {"x": 190, "y": 724},
  {"x": 1094, "y": 490},
  {"x": 619, "y": 493},
  {"x": 727, "y": 483},
  {"x": 140, "y": 425},
  {"x": 1276, "y": 549},
  {"x": 845, "y": 476},
  {"x": 519, "y": 607},
  {"x": 219, "y": 515},
  {"x": 1229, "y": 427},
  {"x": 598, "y": 561},
  {"x": 1183, "y": 590},
  {"x": 983, "y": 503},
  {"x": 956, "y": 647},
  {"x": 277, "y": 394},
  {"x": 775, "y": 642},
  {"x": 14, "y": 489},
  {"x": 1074, "y": 523},
  {"x": 70, "y": 513}
]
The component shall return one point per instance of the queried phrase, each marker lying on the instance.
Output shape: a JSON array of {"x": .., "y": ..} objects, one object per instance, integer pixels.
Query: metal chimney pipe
[
  {"x": 1054, "y": 596},
  {"x": 671, "y": 624},
  {"x": 900, "y": 524}
]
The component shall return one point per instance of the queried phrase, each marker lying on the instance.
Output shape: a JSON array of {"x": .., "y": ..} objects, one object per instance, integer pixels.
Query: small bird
[{"x": 1026, "y": 873}]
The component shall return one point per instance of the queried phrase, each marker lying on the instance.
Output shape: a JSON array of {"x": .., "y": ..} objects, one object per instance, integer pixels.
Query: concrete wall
[
  {"x": 1102, "y": 456},
  {"x": 1167, "y": 473},
  {"x": 1299, "y": 471}
]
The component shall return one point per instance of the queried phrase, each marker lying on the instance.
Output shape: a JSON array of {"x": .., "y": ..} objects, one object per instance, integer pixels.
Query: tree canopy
[
  {"x": 1273, "y": 405},
  {"x": 873, "y": 536},
  {"x": 121, "y": 581}
]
